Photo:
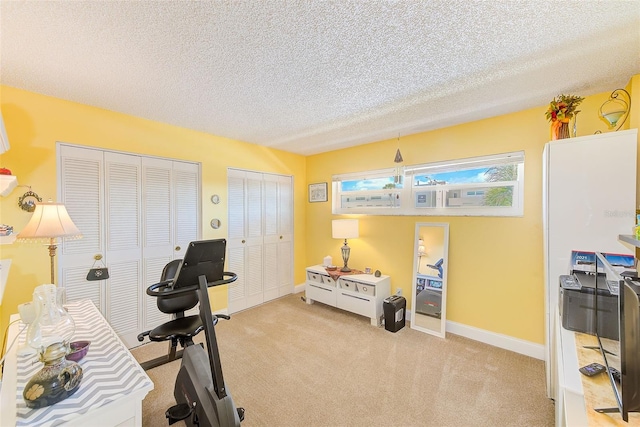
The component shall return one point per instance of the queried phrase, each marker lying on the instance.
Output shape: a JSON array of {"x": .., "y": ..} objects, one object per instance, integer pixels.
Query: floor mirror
[{"x": 429, "y": 305}]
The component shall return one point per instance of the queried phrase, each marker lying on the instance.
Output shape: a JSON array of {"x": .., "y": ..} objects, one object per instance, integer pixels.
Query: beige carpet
[{"x": 292, "y": 364}]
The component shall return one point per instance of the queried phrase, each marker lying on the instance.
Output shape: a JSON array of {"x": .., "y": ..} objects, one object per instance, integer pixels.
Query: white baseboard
[
  {"x": 497, "y": 340},
  {"x": 506, "y": 342}
]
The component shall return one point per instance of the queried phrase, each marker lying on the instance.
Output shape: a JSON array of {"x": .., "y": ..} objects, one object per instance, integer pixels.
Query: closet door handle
[
  {"x": 178, "y": 248},
  {"x": 243, "y": 241},
  {"x": 280, "y": 237}
]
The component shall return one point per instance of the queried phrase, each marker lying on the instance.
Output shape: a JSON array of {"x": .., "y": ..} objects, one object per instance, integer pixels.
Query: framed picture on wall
[{"x": 318, "y": 192}]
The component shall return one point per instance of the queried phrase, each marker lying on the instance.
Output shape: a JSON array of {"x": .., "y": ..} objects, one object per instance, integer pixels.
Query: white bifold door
[
  {"x": 260, "y": 241},
  {"x": 135, "y": 212}
]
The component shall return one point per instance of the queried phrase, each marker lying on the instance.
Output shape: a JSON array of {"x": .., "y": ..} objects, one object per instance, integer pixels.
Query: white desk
[{"x": 112, "y": 388}]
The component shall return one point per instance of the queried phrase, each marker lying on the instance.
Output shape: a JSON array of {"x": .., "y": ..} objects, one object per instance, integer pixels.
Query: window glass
[
  {"x": 383, "y": 183},
  {"x": 488, "y": 185},
  {"x": 469, "y": 195}
]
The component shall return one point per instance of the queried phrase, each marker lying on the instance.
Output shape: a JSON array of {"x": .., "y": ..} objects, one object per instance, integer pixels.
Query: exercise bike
[{"x": 202, "y": 398}]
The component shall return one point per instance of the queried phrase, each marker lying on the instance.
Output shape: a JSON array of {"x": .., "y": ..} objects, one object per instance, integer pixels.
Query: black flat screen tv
[{"x": 621, "y": 353}]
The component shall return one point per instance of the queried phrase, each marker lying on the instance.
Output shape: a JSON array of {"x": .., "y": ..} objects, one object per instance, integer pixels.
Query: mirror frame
[{"x": 445, "y": 255}]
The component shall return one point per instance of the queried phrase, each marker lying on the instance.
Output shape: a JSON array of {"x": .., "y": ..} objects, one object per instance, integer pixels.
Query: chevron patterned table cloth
[{"x": 110, "y": 372}]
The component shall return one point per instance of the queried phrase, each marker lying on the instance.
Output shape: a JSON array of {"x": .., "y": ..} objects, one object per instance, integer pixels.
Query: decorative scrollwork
[{"x": 27, "y": 201}]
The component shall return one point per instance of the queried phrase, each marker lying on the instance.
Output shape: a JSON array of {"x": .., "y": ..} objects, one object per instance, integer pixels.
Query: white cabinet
[{"x": 362, "y": 294}]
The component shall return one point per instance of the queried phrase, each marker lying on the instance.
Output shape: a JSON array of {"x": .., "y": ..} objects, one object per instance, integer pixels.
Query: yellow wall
[
  {"x": 495, "y": 270},
  {"x": 495, "y": 264},
  {"x": 35, "y": 122}
]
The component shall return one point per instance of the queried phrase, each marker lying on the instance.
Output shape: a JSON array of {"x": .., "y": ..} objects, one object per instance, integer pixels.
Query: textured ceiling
[{"x": 314, "y": 76}]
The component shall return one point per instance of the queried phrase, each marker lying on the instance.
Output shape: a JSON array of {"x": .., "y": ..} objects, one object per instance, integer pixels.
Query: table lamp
[
  {"x": 345, "y": 229},
  {"x": 49, "y": 222}
]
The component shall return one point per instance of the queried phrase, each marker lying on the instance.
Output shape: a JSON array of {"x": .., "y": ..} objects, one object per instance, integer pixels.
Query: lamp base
[
  {"x": 58, "y": 379},
  {"x": 345, "y": 269}
]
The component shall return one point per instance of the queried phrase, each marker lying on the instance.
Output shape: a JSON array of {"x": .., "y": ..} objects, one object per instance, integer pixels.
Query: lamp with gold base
[
  {"x": 49, "y": 223},
  {"x": 344, "y": 229}
]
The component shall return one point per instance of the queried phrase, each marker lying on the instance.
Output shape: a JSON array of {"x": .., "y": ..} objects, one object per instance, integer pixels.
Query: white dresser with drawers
[{"x": 362, "y": 294}]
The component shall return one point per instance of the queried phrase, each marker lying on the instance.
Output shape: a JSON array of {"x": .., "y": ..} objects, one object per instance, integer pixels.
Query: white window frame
[{"x": 406, "y": 197}]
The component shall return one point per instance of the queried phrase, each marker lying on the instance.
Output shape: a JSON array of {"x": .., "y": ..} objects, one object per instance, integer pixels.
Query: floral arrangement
[{"x": 563, "y": 108}]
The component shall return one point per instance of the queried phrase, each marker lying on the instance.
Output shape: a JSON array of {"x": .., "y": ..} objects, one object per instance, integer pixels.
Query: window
[
  {"x": 489, "y": 185},
  {"x": 373, "y": 189}
]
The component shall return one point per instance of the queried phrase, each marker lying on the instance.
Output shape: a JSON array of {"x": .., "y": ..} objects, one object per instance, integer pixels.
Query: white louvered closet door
[
  {"x": 258, "y": 251},
  {"x": 123, "y": 187},
  {"x": 82, "y": 191},
  {"x": 139, "y": 213},
  {"x": 236, "y": 240},
  {"x": 278, "y": 256},
  {"x": 245, "y": 239},
  {"x": 170, "y": 199},
  {"x": 157, "y": 232}
]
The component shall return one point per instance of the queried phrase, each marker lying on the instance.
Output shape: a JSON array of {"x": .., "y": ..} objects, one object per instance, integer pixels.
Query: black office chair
[{"x": 181, "y": 329}]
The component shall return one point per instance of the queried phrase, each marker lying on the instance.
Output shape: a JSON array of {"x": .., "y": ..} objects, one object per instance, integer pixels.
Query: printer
[
  {"x": 578, "y": 304},
  {"x": 587, "y": 279}
]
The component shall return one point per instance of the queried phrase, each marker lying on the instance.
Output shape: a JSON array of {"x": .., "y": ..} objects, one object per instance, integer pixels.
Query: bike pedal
[{"x": 178, "y": 413}]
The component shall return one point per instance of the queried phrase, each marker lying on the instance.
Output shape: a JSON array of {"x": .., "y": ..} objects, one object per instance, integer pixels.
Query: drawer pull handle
[{"x": 353, "y": 296}]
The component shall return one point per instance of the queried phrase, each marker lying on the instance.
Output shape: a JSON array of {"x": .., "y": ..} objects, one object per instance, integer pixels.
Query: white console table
[
  {"x": 112, "y": 388},
  {"x": 362, "y": 294}
]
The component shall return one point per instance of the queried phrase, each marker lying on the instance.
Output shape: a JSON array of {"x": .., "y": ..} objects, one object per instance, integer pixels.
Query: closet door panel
[
  {"x": 285, "y": 205},
  {"x": 157, "y": 218},
  {"x": 236, "y": 239},
  {"x": 237, "y": 289},
  {"x": 123, "y": 204},
  {"x": 260, "y": 230},
  {"x": 285, "y": 240},
  {"x": 157, "y": 207},
  {"x": 124, "y": 300},
  {"x": 270, "y": 213},
  {"x": 77, "y": 287},
  {"x": 285, "y": 268},
  {"x": 253, "y": 213},
  {"x": 236, "y": 203},
  {"x": 81, "y": 189},
  {"x": 186, "y": 193},
  {"x": 270, "y": 275},
  {"x": 255, "y": 229},
  {"x": 254, "y": 275},
  {"x": 270, "y": 239},
  {"x": 152, "y": 271}
]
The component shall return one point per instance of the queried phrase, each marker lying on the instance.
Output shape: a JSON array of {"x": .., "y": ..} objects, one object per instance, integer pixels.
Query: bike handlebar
[{"x": 155, "y": 289}]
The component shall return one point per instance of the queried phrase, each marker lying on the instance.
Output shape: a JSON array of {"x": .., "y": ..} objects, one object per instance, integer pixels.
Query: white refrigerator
[{"x": 589, "y": 198}]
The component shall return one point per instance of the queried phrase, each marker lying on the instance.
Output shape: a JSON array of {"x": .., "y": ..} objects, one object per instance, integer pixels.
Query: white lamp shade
[
  {"x": 49, "y": 221},
  {"x": 344, "y": 228}
]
